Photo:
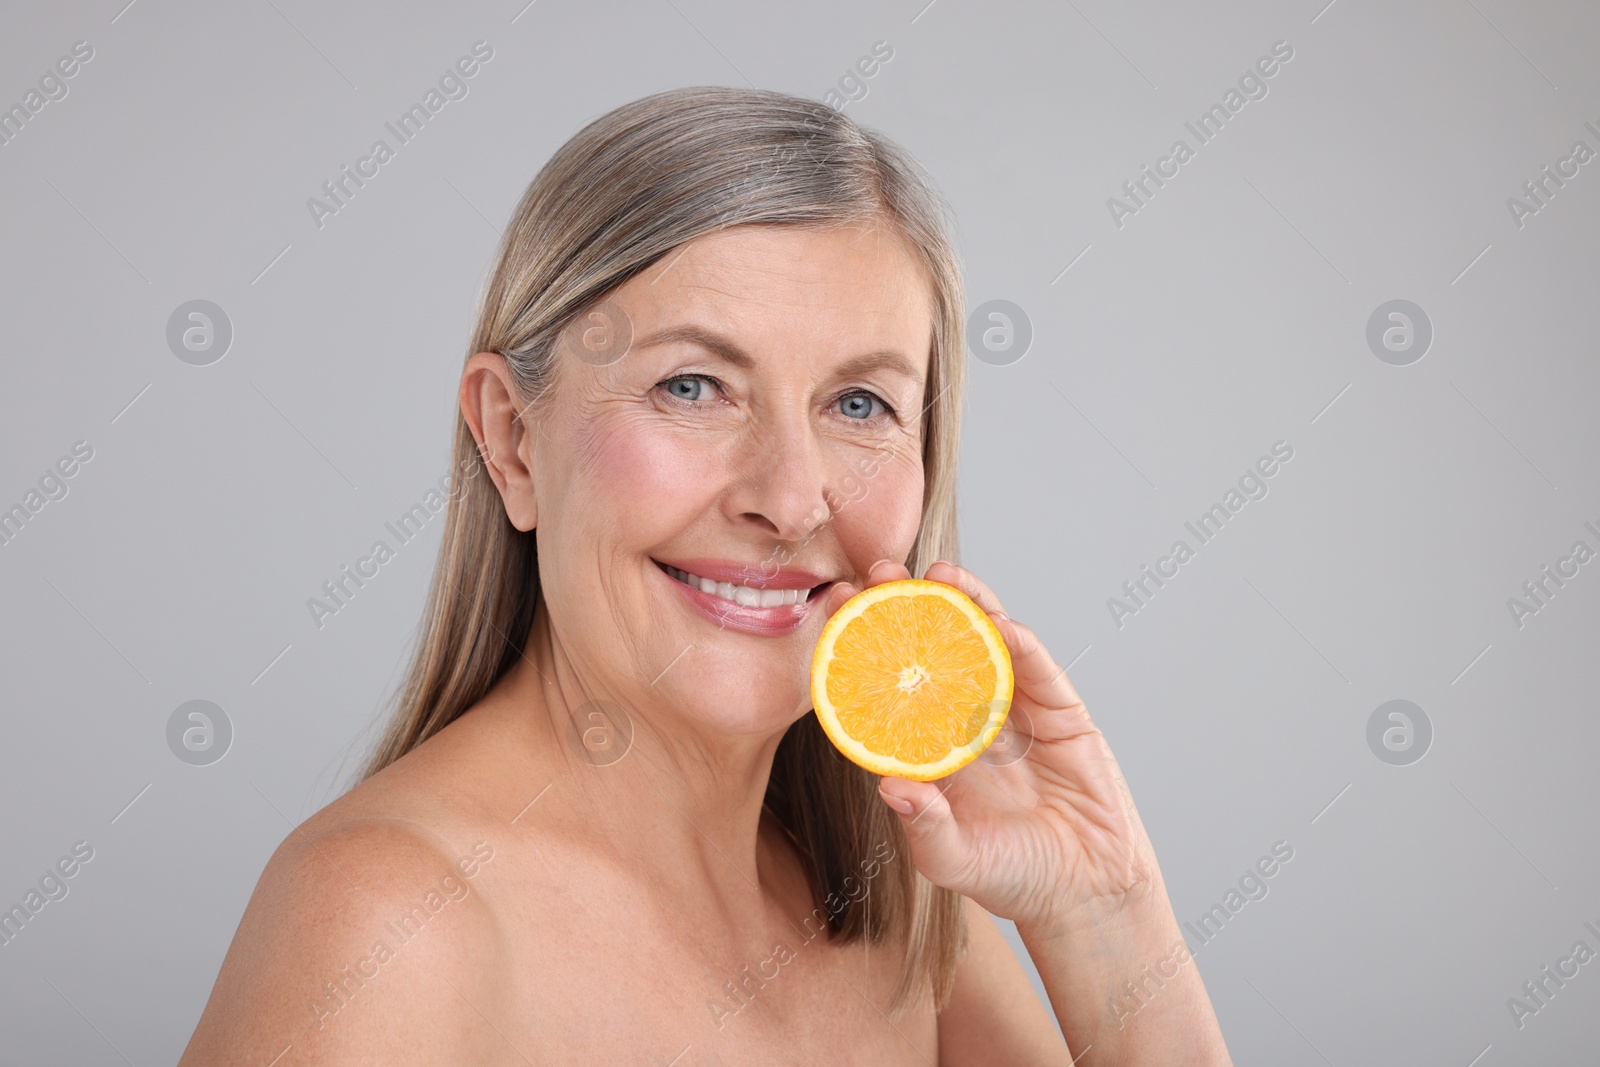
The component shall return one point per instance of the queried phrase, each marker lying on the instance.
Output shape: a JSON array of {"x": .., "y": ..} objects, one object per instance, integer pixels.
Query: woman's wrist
[{"x": 1132, "y": 913}]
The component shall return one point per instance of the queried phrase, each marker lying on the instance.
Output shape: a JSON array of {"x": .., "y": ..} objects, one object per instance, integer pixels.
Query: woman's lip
[{"x": 762, "y": 622}]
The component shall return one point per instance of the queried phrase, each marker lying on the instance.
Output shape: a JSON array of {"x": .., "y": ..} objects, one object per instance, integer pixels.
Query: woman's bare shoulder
[{"x": 370, "y": 934}]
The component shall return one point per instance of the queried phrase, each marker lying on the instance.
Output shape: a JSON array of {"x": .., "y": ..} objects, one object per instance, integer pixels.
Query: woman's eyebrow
[
  {"x": 714, "y": 343},
  {"x": 727, "y": 351}
]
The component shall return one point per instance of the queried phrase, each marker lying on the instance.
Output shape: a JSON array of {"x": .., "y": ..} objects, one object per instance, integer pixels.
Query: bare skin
[{"x": 568, "y": 909}]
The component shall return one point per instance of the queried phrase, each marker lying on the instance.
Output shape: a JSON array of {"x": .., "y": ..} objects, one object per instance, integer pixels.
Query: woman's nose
[{"x": 781, "y": 480}]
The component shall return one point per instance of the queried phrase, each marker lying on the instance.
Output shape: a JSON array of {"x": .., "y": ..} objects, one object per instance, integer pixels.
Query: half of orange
[{"x": 911, "y": 679}]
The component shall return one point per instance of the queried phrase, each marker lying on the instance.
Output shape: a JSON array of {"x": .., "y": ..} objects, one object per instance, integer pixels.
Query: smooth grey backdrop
[{"x": 1174, "y": 342}]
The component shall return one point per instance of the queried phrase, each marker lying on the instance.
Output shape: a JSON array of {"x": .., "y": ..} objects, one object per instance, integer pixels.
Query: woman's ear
[{"x": 493, "y": 412}]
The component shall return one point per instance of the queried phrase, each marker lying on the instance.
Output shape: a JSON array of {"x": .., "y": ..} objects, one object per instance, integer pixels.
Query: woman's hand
[
  {"x": 1042, "y": 823},
  {"x": 1041, "y": 830}
]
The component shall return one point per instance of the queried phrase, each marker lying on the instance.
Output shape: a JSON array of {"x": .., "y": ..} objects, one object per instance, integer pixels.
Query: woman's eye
[
  {"x": 859, "y": 406},
  {"x": 685, "y": 387}
]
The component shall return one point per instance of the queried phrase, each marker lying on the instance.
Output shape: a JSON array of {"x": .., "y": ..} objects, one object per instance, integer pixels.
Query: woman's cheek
[
  {"x": 880, "y": 508},
  {"x": 642, "y": 466}
]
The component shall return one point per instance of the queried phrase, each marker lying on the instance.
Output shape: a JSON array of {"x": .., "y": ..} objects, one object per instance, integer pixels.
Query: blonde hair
[{"x": 627, "y": 189}]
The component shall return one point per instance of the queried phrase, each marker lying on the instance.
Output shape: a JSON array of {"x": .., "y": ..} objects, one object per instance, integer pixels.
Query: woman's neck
[{"x": 681, "y": 802}]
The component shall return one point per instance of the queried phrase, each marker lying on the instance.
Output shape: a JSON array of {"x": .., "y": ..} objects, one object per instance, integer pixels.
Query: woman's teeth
[{"x": 741, "y": 594}]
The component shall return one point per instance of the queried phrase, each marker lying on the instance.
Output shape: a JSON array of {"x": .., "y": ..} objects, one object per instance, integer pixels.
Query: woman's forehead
[{"x": 851, "y": 279}]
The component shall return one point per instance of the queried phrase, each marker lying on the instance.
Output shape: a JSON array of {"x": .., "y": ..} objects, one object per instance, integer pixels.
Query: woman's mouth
[
  {"x": 743, "y": 595},
  {"x": 746, "y": 608}
]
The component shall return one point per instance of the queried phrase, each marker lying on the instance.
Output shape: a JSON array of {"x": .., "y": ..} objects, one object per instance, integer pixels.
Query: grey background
[{"x": 1228, "y": 314}]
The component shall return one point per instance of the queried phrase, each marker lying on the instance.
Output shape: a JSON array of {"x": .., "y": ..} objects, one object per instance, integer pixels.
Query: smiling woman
[{"x": 662, "y": 534}]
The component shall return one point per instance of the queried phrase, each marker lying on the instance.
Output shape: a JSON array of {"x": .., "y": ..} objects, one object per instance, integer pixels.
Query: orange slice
[{"x": 911, "y": 679}]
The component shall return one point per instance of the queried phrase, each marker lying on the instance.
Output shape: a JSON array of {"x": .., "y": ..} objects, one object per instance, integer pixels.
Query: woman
[{"x": 714, "y": 389}]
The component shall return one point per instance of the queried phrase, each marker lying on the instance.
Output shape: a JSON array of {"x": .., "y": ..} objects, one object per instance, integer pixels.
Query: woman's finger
[
  {"x": 1060, "y": 713},
  {"x": 967, "y": 582},
  {"x": 882, "y": 571},
  {"x": 1037, "y": 673},
  {"x": 886, "y": 570},
  {"x": 836, "y": 596},
  {"x": 938, "y": 843}
]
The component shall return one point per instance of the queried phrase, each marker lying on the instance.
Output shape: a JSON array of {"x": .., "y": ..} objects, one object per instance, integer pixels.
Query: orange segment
[{"x": 911, "y": 679}]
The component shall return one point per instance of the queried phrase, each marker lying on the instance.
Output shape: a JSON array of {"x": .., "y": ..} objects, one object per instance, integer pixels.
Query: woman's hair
[{"x": 629, "y": 188}]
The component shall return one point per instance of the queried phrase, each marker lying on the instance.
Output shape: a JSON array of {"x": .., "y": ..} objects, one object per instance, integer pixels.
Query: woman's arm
[
  {"x": 1124, "y": 986},
  {"x": 1046, "y": 834},
  {"x": 326, "y": 969},
  {"x": 994, "y": 1015}
]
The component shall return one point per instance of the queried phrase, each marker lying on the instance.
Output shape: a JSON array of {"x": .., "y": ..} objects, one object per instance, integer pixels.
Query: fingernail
[
  {"x": 875, "y": 565},
  {"x": 898, "y": 804}
]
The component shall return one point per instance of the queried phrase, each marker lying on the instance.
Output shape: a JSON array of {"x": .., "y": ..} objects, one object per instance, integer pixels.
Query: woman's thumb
[{"x": 929, "y": 825}]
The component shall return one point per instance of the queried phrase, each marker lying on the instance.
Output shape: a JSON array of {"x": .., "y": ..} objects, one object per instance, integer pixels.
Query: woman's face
[{"x": 762, "y": 429}]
